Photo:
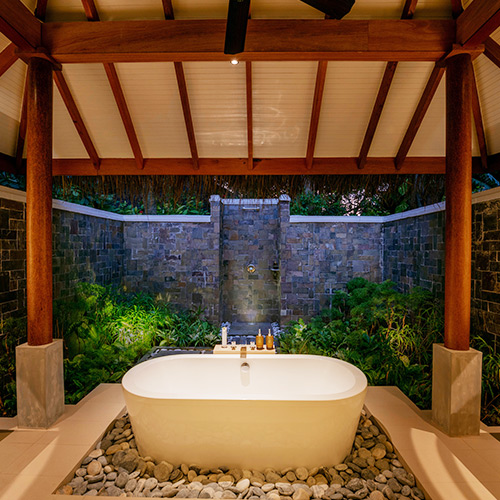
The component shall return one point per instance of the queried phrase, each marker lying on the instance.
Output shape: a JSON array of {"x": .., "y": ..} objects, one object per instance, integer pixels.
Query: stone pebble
[{"x": 371, "y": 471}]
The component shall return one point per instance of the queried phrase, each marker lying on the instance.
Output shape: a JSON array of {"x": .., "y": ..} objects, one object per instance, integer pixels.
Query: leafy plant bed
[
  {"x": 372, "y": 470},
  {"x": 105, "y": 331},
  {"x": 389, "y": 336}
]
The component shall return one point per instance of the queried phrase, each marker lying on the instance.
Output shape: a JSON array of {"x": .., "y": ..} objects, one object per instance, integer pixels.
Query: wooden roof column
[
  {"x": 116, "y": 88},
  {"x": 168, "y": 11},
  {"x": 39, "y": 202},
  {"x": 458, "y": 202},
  {"x": 383, "y": 92}
]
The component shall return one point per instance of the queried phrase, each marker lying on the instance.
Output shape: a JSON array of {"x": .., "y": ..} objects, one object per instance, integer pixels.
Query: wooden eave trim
[
  {"x": 76, "y": 117},
  {"x": 478, "y": 22},
  {"x": 8, "y": 57},
  {"x": 316, "y": 111},
  {"x": 19, "y": 25},
  {"x": 267, "y": 39},
  {"x": 239, "y": 166},
  {"x": 422, "y": 107}
]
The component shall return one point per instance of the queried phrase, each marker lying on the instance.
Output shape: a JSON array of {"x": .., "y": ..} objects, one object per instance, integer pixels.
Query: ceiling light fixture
[{"x": 234, "y": 62}]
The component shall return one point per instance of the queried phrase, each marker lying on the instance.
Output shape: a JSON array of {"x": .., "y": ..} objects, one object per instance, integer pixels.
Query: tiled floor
[{"x": 34, "y": 462}]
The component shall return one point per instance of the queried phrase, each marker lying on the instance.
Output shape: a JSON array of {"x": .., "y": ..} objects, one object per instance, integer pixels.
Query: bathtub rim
[{"x": 360, "y": 381}]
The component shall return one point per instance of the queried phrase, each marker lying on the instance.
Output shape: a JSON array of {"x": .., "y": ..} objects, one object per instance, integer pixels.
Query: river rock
[
  {"x": 267, "y": 487},
  {"x": 242, "y": 485},
  {"x": 376, "y": 495},
  {"x": 272, "y": 477},
  {"x": 301, "y": 494},
  {"x": 285, "y": 489},
  {"x": 162, "y": 471},
  {"x": 302, "y": 473},
  {"x": 126, "y": 459},
  {"x": 228, "y": 494},
  {"x": 94, "y": 468}
]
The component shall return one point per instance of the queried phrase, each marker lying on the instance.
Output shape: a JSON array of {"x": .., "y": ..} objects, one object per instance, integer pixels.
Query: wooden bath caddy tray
[{"x": 237, "y": 349}]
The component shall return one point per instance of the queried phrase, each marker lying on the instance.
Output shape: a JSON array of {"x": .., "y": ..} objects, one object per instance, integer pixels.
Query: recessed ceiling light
[{"x": 235, "y": 62}]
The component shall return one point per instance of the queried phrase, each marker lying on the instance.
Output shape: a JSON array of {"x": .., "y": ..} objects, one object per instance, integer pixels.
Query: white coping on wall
[{"x": 481, "y": 197}]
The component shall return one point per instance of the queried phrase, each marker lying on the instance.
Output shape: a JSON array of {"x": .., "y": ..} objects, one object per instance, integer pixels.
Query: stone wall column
[
  {"x": 216, "y": 221},
  {"x": 39, "y": 363},
  {"x": 283, "y": 253}
]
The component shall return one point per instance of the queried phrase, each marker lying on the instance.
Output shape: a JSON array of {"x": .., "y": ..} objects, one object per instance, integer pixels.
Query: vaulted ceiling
[{"x": 306, "y": 110}]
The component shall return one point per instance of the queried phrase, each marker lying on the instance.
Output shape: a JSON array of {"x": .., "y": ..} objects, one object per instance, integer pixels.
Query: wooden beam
[
  {"x": 315, "y": 113},
  {"x": 19, "y": 25},
  {"x": 8, "y": 57},
  {"x": 409, "y": 9},
  {"x": 39, "y": 203},
  {"x": 168, "y": 10},
  {"x": 249, "y": 94},
  {"x": 186, "y": 110},
  {"x": 478, "y": 22},
  {"x": 456, "y": 8},
  {"x": 41, "y": 9},
  {"x": 76, "y": 117},
  {"x": 383, "y": 92},
  {"x": 21, "y": 135},
  {"x": 267, "y": 40},
  {"x": 492, "y": 51},
  {"x": 478, "y": 121},
  {"x": 239, "y": 166},
  {"x": 418, "y": 116},
  {"x": 124, "y": 113},
  {"x": 90, "y": 10},
  {"x": 458, "y": 203}
]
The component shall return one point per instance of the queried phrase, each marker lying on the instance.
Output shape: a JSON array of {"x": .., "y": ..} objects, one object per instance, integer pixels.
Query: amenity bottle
[
  {"x": 259, "y": 341},
  {"x": 269, "y": 340}
]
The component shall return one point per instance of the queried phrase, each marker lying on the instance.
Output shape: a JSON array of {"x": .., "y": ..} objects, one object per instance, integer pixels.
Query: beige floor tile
[
  {"x": 493, "y": 458},
  {"x": 55, "y": 460},
  {"x": 24, "y": 436},
  {"x": 482, "y": 468},
  {"x": 11, "y": 451},
  {"x": 27, "y": 487},
  {"x": 18, "y": 464},
  {"x": 482, "y": 442},
  {"x": 473, "y": 490},
  {"x": 493, "y": 487},
  {"x": 74, "y": 432}
]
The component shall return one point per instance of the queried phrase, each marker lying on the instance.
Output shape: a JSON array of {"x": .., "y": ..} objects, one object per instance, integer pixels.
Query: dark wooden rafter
[
  {"x": 114, "y": 82},
  {"x": 249, "y": 96},
  {"x": 76, "y": 117},
  {"x": 456, "y": 8},
  {"x": 315, "y": 113},
  {"x": 186, "y": 110},
  {"x": 478, "y": 22},
  {"x": 168, "y": 11},
  {"x": 478, "y": 122},
  {"x": 8, "y": 57},
  {"x": 383, "y": 92},
  {"x": 40, "y": 11},
  {"x": 492, "y": 51},
  {"x": 422, "y": 107},
  {"x": 124, "y": 113},
  {"x": 19, "y": 25},
  {"x": 267, "y": 39}
]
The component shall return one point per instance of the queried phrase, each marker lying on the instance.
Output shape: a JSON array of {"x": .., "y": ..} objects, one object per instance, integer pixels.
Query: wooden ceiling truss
[{"x": 267, "y": 40}]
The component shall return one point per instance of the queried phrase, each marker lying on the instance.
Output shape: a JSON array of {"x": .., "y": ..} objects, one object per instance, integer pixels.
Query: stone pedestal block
[
  {"x": 456, "y": 390},
  {"x": 40, "y": 384}
]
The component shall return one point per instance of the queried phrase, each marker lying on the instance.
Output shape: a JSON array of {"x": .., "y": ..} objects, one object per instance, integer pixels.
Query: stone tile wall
[
  {"x": 319, "y": 258},
  {"x": 12, "y": 257},
  {"x": 413, "y": 252},
  {"x": 250, "y": 236},
  {"x": 485, "y": 306},
  {"x": 178, "y": 261}
]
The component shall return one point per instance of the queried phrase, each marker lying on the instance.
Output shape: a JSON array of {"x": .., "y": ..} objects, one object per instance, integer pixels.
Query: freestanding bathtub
[{"x": 255, "y": 412}]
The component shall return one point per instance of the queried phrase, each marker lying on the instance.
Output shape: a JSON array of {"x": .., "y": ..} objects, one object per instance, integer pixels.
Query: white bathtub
[{"x": 276, "y": 411}]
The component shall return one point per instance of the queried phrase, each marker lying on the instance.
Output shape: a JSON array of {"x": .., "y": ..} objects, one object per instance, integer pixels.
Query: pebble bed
[{"x": 371, "y": 471}]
